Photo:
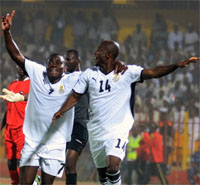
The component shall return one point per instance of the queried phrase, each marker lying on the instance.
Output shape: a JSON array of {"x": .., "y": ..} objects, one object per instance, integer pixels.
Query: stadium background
[{"x": 42, "y": 27}]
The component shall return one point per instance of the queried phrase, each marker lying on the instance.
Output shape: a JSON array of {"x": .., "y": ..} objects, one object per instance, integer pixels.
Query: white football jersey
[
  {"x": 44, "y": 100},
  {"x": 110, "y": 100}
]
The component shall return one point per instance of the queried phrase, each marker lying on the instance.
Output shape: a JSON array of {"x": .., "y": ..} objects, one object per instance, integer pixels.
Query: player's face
[
  {"x": 71, "y": 62},
  {"x": 20, "y": 71},
  {"x": 55, "y": 68},
  {"x": 100, "y": 55}
]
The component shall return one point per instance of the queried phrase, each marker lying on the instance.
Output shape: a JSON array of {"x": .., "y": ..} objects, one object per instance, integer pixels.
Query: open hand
[
  {"x": 187, "y": 62},
  {"x": 6, "y": 21}
]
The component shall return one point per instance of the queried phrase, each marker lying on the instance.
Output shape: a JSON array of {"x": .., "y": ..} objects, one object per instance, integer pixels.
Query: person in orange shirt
[
  {"x": 13, "y": 122},
  {"x": 156, "y": 153},
  {"x": 143, "y": 153}
]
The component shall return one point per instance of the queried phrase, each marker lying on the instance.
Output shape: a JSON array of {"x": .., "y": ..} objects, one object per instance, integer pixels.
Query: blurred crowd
[{"x": 162, "y": 101}]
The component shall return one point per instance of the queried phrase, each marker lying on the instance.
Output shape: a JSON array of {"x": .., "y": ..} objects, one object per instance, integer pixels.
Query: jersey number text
[
  {"x": 119, "y": 145},
  {"x": 107, "y": 86}
]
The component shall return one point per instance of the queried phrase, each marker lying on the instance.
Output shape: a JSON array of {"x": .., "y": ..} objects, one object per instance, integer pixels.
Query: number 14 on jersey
[{"x": 104, "y": 86}]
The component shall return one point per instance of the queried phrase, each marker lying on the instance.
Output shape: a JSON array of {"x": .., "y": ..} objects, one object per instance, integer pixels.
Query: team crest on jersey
[
  {"x": 116, "y": 78},
  {"x": 61, "y": 90}
]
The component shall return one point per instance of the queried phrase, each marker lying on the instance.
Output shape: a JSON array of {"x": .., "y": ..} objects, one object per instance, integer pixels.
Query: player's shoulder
[
  {"x": 26, "y": 82},
  {"x": 27, "y": 79},
  {"x": 13, "y": 82},
  {"x": 74, "y": 74},
  {"x": 17, "y": 82},
  {"x": 134, "y": 68},
  {"x": 71, "y": 76},
  {"x": 91, "y": 70},
  {"x": 94, "y": 68},
  {"x": 87, "y": 71},
  {"x": 35, "y": 64}
]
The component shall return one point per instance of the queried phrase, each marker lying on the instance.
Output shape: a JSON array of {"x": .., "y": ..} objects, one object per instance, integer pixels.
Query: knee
[
  {"x": 70, "y": 166},
  {"x": 113, "y": 164},
  {"x": 112, "y": 169},
  {"x": 28, "y": 174}
]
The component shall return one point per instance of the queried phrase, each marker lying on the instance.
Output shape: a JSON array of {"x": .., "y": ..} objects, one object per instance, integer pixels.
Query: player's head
[
  {"x": 106, "y": 53},
  {"x": 20, "y": 72},
  {"x": 55, "y": 67},
  {"x": 72, "y": 60}
]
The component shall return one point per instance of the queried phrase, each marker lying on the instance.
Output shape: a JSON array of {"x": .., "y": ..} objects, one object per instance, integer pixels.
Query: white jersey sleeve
[
  {"x": 82, "y": 84},
  {"x": 135, "y": 72},
  {"x": 31, "y": 67}
]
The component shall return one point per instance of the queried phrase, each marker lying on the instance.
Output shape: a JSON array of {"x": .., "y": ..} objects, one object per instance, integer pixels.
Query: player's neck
[
  {"x": 54, "y": 80},
  {"x": 106, "y": 71},
  {"x": 78, "y": 68},
  {"x": 107, "y": 68},
  {"x": 21, "y": 78}
]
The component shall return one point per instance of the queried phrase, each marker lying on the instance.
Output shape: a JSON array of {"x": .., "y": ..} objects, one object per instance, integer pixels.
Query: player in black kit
[{"x": 79, "y": 134}]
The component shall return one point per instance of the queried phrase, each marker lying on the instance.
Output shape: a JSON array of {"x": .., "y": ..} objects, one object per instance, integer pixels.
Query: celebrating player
[
  {"x": 45, "y": 144},
  {"x": 111, "y": 115}
]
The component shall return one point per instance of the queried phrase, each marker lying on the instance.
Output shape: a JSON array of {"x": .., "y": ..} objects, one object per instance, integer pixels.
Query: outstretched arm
[
  {"x": 13, "y": 50},
  {"x": 68, "y": 104},
  {"x": 160, "y": 71}
]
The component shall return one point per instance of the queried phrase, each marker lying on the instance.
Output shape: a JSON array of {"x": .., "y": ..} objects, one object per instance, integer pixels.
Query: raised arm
[
  {"x": 13, "y": 50},
  {"x": 160, "y": 71},
  {"x": 68, "y": 104}
]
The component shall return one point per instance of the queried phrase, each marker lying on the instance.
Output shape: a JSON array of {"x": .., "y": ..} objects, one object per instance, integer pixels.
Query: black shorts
[{"x": 79, "y": 138}]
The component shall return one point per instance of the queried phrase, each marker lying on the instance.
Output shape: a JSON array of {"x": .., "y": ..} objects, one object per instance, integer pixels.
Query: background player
[
  {"x": 157, "y": 160},
  {"x": 45, "y": 144},
  {"x": 13, "y": 120},
  {"x": 110, "y": 115},
  {"x": 79, "y": 136},
  {"x": 143, "y": 156}
]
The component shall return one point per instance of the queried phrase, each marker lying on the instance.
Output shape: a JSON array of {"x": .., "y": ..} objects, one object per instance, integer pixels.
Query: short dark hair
[
  {"x": 53, "y": 54},
  {"x": 112, "y": 48},
  {"x": 73, "y": 51}
]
